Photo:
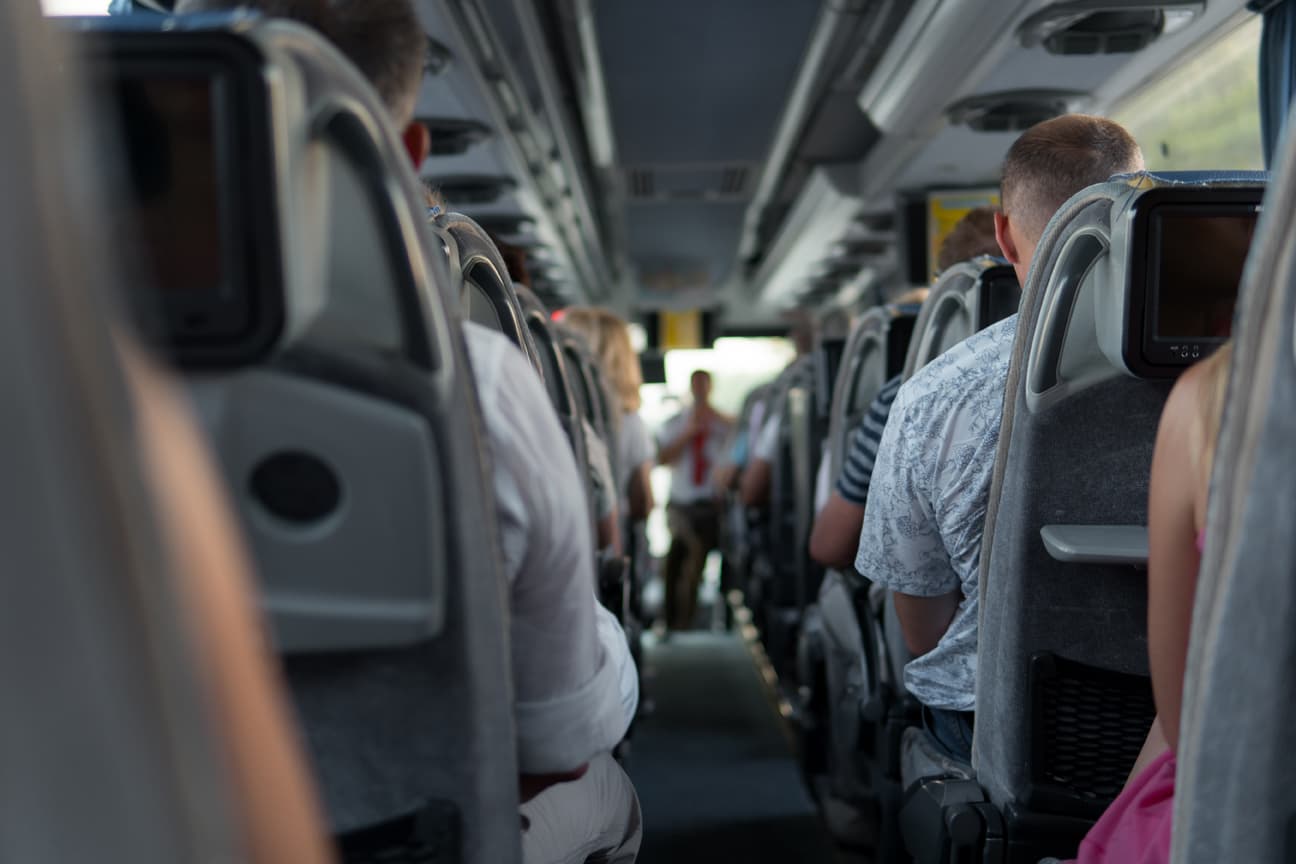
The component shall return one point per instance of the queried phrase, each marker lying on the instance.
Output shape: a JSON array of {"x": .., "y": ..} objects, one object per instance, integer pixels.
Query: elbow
[
  {"x": 918, "y": 643},
  {"x": 753, "y": 489},
  {"x": 828, "y": 552}
]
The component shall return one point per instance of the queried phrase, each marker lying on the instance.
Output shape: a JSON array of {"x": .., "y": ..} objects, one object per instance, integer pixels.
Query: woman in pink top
[{"x": 1136, "y": 828}]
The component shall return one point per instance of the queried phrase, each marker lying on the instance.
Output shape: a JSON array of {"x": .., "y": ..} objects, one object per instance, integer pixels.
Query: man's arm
[
  {"x": 754, "y": 487},
  {"x": 835, "y": 538},
  {"x": 924, "y": 620}
]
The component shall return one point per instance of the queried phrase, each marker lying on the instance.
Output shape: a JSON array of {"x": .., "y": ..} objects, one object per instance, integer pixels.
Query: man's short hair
[
  {"x": 972, "y": 237},
  {"x": 1055, "y": 159},
  {"x": 383, "y": 38}
]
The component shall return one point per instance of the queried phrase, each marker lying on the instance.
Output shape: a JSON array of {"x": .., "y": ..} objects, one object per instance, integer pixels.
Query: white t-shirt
[
  {"x": 634, "y": 448},
  {"x": 766, "y": 445},
  {"x": 574, "y": 682},
  {"x": 689, "y": 482}
]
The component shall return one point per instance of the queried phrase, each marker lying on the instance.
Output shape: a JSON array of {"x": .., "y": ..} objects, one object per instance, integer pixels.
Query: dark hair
[
  {"x": 972, "y": 237},
  {"x": 1055, "y": 159},
  {"x": 383, "y": 38},
  {"x": 514, "y": 258}
]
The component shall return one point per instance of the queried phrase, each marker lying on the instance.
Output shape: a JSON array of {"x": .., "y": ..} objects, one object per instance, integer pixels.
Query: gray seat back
[
  {"x": 1235, "y": 789},
  {"x": 1063, "y": 702},
  {"x": 343, "y": 439},
  {"x": 875, "y": 352}
]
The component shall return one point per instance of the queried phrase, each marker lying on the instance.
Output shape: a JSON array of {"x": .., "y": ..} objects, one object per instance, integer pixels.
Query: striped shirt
[{"x": 853, "y": 485}]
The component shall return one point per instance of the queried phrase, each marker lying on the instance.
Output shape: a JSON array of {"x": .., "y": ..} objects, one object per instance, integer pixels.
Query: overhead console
[
  {"x": 197, "y": 202},
  {"x": 1185, "y": 249}
]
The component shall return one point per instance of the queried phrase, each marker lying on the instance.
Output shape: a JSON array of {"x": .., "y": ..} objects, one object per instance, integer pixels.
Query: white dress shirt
[{"x": 574, "y": 682}]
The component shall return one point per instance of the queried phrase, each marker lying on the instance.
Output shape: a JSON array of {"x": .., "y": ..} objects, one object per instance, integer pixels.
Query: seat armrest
[
  {"x": 941, "y": 820},
  {"x": 1097, "y": 544}
]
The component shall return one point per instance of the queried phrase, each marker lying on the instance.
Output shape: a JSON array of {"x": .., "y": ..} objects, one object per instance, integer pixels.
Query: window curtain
[{"x": 1277, "y": 68}]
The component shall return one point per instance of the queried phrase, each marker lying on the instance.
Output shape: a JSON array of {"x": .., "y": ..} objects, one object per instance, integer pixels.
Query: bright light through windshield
[{"x": 75, "y": 7}]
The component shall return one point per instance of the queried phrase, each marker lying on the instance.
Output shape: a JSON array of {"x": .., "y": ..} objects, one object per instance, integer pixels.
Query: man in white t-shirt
[{"x": 691, "y": 443}]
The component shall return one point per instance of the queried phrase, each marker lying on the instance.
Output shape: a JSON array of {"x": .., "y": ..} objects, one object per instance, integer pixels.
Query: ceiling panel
[
  {"x": 683, "y": 250},
  {"x": 699, "y": 82}
]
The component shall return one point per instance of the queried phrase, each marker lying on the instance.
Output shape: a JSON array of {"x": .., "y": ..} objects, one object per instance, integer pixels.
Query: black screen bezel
[
  {"x": 243, "y": 321},
  {"x": 1144, "y": 354}
]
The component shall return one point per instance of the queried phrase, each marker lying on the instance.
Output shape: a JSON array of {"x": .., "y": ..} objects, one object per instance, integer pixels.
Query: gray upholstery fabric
[
  {"x": 1077, "y": 452},
  {"x": 1083, "y": 460},
  {"x": 1235, "y": 795}
]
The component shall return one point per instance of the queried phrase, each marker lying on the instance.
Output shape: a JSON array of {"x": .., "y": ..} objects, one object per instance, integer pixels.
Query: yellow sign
[
  {"x": 945, "y": 209},
  {"x": 681, "y": 329}
]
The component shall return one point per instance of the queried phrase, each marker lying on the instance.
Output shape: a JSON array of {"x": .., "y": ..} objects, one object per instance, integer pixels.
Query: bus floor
[{"x": 713, "y": 764}]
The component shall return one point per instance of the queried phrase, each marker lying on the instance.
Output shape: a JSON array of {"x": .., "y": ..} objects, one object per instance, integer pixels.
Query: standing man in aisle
[{"x": 691, "y": 443}]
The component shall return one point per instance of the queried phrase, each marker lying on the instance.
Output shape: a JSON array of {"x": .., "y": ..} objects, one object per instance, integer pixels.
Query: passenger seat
[{"x": 345, "y": 422}]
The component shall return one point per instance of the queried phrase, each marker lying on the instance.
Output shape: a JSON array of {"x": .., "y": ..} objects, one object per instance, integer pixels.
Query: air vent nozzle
[
  {"x": 436, "y": 58},
  {"x": 507, "y": 225},
  {"x": 453, "y": 136},
  {"x": 464, "y": 189},
  {"x": 1012, "y": 110},
  {"x": 1087, "y": 27}
]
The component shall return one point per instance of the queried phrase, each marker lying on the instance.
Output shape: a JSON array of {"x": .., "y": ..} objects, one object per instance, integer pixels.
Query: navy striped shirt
[{"x": 853, "y": 485}]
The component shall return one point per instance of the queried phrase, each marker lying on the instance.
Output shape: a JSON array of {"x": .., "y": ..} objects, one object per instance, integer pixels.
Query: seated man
[
  {"x": 921, "y": 534},
  {"x": 574, "y": 682},
  {"x": 835, "y": 537}
]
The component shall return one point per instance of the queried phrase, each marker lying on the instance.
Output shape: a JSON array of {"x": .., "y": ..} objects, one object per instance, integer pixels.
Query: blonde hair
[
  {"x": 914, "y": 296},
  {"x": 609, "y": 338}
]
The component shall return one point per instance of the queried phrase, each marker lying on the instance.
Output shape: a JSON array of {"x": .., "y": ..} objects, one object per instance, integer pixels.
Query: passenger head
[
  {"x": 972, "y": 237},
  {"x": 609, "y": 338},
  {"x": 1048, "y": 164},
  {"x": 383, "y": 38},
  {"x": 700, "y": 386},
  {"x": 514, "y": 259}
]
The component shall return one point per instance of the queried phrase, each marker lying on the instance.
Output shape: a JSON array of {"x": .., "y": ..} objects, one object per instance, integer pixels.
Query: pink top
[{"x": 1136, "y": 828}]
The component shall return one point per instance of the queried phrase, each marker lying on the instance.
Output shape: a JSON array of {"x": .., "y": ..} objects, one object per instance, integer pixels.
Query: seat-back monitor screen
[
  {"x": 1199, "y": 262},
  {"x": 195, "y": 191},
  {"x": 169, "y": 128},
  {"x": 1188, "y": 246}
]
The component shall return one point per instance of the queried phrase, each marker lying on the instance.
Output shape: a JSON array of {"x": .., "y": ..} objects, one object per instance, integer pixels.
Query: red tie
[{"x": 699, "y": 457}]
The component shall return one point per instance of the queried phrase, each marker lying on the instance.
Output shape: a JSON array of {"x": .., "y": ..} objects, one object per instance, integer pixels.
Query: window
[
  {"x": 1205, "y": 112},
  {"x": 75, "y": 7}
]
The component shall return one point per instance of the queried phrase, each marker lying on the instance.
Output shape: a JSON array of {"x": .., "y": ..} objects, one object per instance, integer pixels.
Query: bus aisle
[{"x": 713, "y": 763}]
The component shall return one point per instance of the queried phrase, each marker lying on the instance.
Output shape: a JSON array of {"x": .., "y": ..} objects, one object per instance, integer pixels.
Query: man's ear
[
  {"x": 1005, "y": 239},
  {"x": 418, "y": 143}
]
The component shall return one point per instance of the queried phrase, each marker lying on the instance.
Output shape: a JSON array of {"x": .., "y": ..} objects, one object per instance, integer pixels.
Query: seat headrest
[
  {"x": 295, "y": 219},
  {"x": 1140, "y": 278},
  {"x": 480, "y": 279},
  {"x": 962, "y": 296}
]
